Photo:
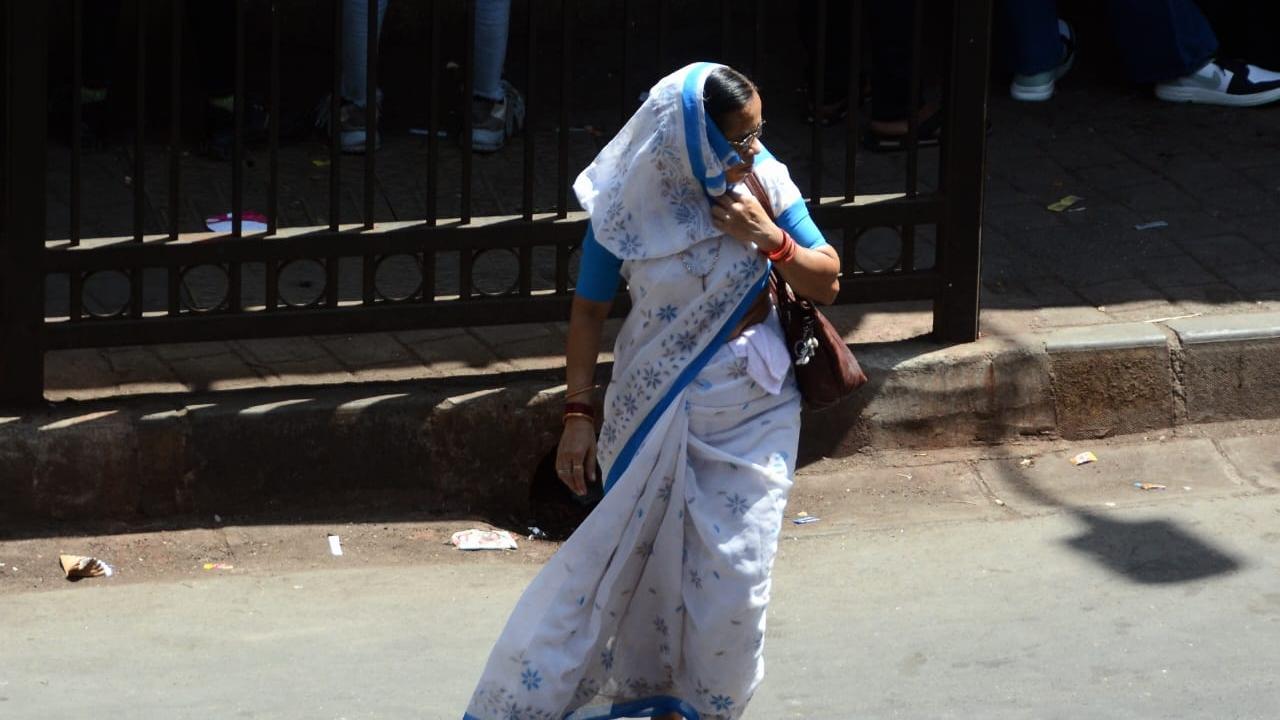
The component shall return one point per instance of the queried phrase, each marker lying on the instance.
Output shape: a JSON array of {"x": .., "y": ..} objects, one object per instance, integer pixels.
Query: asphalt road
[{"x": 1074, "y": 596}]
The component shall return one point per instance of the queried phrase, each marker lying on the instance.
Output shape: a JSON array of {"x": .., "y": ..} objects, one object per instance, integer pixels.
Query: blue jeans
[
  {"x": 493, "y": 20},
  {"x": 355, "y": 48},
  {"x": 1160, "y": 40}
]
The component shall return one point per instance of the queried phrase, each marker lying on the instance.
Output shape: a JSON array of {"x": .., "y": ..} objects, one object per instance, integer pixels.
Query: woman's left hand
[{"x": 742, "y": 216}]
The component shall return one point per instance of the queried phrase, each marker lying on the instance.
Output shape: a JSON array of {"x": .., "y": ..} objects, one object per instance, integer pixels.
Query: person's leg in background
[
  {"x": 1041, "y": 47},
  {"x": 834, "y": 104},
  {"x": 100, "y": 23},
  {"x": 890, "y": 30},
  {"x": 497, "y": 108},
  {"x": 211, "y": 24},
  {"x": 1170, "y": 43},
  {"x": 355, "y": 68}
]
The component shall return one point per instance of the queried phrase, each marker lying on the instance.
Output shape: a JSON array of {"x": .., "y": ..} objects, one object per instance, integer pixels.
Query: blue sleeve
[
  {"x": 796, "y": 221},
  {"x": 599, "y": 271}
]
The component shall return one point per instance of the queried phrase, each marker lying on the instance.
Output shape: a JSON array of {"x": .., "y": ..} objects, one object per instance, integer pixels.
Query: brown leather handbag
[{"x": 826, "y": 370}]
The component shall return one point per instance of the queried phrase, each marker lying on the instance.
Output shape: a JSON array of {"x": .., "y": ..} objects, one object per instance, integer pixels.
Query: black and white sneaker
[
  {"x": 1039, "y": 87},
  {"x": 1224, "y": 82}
]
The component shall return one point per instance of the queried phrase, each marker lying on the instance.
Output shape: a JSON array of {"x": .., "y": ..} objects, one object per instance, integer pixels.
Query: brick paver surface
[{"x": 1210, "y": 175}]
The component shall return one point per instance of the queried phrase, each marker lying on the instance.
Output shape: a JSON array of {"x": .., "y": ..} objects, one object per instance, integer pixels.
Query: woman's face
[{"x": 742, "y": 129}]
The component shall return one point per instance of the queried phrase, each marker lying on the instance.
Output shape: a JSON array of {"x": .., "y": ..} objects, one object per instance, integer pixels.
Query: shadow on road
[{"x": 1148, "y": 552}]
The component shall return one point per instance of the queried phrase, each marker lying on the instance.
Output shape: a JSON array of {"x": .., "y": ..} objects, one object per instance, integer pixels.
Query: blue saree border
[
  {"x": 691, "y": 101},
  {"x": 682, "y": 381},
  {"x": 645, "y": 707}
]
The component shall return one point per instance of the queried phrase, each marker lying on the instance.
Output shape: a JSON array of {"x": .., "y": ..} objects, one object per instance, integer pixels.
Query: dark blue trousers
[{"x": 1159, "y": 39}]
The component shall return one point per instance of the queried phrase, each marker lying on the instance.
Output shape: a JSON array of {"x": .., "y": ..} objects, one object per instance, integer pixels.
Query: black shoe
[{"x": 219, "y": 127}]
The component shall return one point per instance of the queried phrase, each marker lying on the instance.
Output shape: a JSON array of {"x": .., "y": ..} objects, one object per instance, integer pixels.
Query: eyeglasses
[{"x": 743, "y": 144}]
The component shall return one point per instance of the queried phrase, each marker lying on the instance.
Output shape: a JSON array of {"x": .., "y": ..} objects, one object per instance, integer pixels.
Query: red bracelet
[
  {"x": 580, "y": 409},
  {"x": 786, "y": 252}
]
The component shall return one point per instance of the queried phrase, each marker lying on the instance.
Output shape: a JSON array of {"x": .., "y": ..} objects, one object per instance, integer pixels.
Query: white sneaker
[
  {"x": 492, "y": 122},
  {"x": 1224, "y": 82},
  {"x": 1039, "y": 87}
]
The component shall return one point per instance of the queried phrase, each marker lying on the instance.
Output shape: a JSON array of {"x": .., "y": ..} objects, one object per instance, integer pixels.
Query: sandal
[{"x": 927, "y": 133}]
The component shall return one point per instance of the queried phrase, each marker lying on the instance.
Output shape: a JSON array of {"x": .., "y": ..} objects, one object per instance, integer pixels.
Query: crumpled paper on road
[
  {"x": 80, "y": 566},
  {"x": 484, "y": 540}
]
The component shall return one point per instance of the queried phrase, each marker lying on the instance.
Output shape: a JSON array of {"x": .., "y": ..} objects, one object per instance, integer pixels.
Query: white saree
[{"x": 657, "y": 603}]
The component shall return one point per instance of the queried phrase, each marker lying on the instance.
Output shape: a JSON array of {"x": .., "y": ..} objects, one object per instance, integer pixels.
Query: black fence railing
[{"x": 152, "y": 264}]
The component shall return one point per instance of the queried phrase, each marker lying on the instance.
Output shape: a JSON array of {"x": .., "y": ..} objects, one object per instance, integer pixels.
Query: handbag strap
[
  {"x": 757, "y": 189},
  {"x": 782, "y": 290}
]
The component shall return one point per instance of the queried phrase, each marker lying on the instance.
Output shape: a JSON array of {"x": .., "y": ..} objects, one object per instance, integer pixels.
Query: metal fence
[{"x": 28, "y": 257}]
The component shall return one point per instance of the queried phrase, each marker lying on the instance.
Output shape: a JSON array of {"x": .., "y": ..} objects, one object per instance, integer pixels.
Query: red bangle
[
  {"x": 786, "y": 251},
  {"x": 580, "y": 408}
]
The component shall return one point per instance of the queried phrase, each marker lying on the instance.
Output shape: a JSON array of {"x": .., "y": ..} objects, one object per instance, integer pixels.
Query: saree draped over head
[{"x": 657, "y": 603}]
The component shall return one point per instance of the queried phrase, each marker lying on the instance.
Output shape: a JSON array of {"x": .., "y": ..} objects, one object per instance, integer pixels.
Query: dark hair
[{"x": 726, "y": 91}]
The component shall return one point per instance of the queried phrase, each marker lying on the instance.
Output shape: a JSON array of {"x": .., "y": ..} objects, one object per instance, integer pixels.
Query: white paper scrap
[
  {"x": 483, "y": 540},
  {"x": 335, "y": 545}
]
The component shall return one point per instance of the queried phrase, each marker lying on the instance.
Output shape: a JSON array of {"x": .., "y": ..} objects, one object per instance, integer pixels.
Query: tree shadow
[{"x": 1146, "y": 552}]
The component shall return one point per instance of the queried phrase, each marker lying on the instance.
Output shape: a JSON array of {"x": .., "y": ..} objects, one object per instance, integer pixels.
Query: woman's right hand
[{"x": 576, "y": 457}]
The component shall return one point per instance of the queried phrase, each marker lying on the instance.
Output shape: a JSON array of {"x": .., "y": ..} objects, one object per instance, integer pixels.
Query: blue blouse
[{"x": 600, "y": 270}]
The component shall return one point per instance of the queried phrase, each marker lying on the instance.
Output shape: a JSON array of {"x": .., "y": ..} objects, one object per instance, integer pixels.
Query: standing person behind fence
[
  {"x": 655, "y": 607},
  {"x": 497, "y": 108},
  {"x": 353, "y": 114}
]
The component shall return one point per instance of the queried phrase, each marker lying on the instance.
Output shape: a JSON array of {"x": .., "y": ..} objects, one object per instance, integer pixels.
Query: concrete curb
[{"x": 471, "y": 445}]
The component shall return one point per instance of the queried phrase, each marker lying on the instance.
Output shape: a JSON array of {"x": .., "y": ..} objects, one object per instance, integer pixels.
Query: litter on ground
[
  {"x": 1149, "y": 486},
  {"x": 476, "y": 539},
  {"x": 335, "y": 545},
  {"x": 250, "y": 222},
  {"x": 1084, "y": 458},
  {"x": 80, "y": 566},
  {"x": 1063, "y": 203}
]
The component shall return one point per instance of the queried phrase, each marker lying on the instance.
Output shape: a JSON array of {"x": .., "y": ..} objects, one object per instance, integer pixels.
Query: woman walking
[{"x": 655, "y": 607}]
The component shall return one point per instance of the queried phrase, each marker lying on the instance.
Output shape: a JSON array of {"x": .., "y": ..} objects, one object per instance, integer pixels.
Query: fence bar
[
  {"x": 466, "y": 265},
  {"x": 530, "y": 64},
  {"x": 370, "y": 112},
  {"x": 428, "y": 277},
  {"x": 851, "y": 103},
  {"x": 433, "y": 115},
  {"x": 531, "y": 54},
  {"x": 368, "y": 273},
  {"x": 662, "y": 34},
  {"x": 562, "y": 268},
  {"x": 21, "y": 280},
  {"x": 272, "y": 269},
  {"x": 273, "y": 130},
  {"x": 955, "y": 309},
  {"x": 77, "y": 81},
  {"x": 913, "y": 114},
  {"x": 335, "y": 120},
  {"x": 624, "y": 68},
  {"x": 237, "y": 129},
  {"x": 173, "y": 291},
  {"x": 175, "y": 118},
  {"x": 566, "y": 79},
  {"x": 235, "y": 281},
  {"x": 77, "y": 296},
  {"x": 757, "y": 46},
  {"x": 140, "y": 124},
  {"x": 468, "y": 96},
  {"x": 726, "y": 29},
  {"x": 817, "y": 97}
]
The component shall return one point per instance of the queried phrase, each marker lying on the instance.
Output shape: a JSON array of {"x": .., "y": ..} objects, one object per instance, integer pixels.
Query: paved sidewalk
[{"x": 1211, "y": 175}]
